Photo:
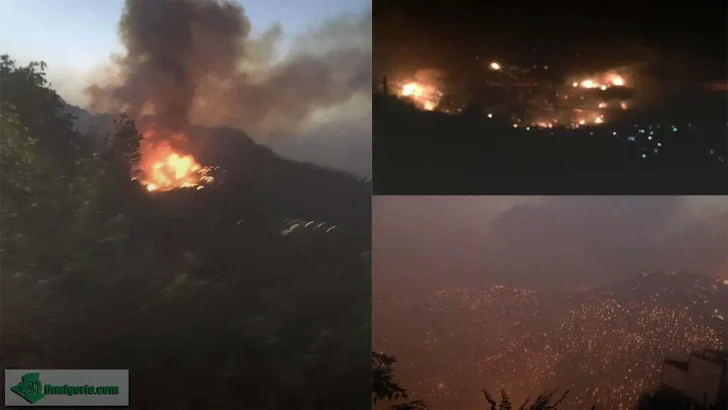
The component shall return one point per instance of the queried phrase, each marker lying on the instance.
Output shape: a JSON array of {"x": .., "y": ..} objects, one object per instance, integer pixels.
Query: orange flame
[
  {"x": 164, "y": 168},
  {"x": 425, "y": 97}
]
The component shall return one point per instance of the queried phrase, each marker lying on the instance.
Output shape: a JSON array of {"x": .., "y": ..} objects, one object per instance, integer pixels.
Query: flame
[
  {"x": 163, "y": 168},
  {"x": 618, "y": 81},
  {"x": 495, "y": 66},
  {"x": 603, "y": 81},
  {"x": 425, "y": 97},
  {"x": 411, "y": 89}
]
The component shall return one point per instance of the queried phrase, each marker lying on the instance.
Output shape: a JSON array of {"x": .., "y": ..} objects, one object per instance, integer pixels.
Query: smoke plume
[{"x": 195, "y": 62}]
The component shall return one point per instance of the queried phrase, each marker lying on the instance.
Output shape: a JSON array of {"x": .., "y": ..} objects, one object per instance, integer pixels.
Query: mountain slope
[{"x": 604, "y": 346}]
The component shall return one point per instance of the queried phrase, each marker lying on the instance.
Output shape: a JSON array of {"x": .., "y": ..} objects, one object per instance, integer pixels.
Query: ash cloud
[{"x": 196, "y": 62}]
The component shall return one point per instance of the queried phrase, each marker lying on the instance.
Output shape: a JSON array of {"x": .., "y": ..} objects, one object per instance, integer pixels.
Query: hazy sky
[
  {"x": 543, "y": 242},
  {"x": 76, "y": 37}
]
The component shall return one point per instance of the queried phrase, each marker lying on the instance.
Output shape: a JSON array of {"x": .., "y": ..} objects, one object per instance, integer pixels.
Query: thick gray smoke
[{"x": 195, "y": 62}]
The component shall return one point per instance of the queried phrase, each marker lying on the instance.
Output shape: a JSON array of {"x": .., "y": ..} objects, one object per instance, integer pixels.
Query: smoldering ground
[{"x": 196, "y": 62}]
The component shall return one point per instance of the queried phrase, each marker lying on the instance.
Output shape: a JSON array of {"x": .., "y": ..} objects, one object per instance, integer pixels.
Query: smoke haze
[
  {"x": 554, "y": 243},
  {"x": 195, "y": 62}
]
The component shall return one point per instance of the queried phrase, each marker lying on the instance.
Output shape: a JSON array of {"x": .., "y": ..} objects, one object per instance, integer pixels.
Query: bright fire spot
[
  {"x": 495, "y": 66},
  {"x": 424, "y": 97},
  {"x": 411, "y": 89},
  {"x": 624, "y": 106},
  {"x": 602, "y": 105},
  {"x": 725, "y": 282},
  {"x": 603, "y": 82},
  {"x": 164, "y": 169},
  {"x": 599, "y": 120}
]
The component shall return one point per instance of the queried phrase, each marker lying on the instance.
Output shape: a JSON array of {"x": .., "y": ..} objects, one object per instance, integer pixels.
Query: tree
[
  {"x": 206, "y": 313},
  {"x": 385, "y": 387},
  {"x": 542, "y": 402}
]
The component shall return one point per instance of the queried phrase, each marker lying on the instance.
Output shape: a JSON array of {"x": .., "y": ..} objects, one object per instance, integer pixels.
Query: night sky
[{"x": 687, "y": 43}]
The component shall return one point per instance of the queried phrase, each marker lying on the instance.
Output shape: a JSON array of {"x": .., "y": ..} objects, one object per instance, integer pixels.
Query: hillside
[
  {"x": 605, "y": 346},
  {"x": 253, "y": 292}
]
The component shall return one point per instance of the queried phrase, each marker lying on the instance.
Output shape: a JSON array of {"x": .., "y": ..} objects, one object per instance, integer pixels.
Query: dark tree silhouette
[
  {"x": 384, "y": 386},
  {"x": 542, "y": 402}
]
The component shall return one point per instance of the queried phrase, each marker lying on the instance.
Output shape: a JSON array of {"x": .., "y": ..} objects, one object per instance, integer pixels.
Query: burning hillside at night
[
  {"x": 605, "y": 346},
  {"x": 517, "y": 95},
  {"x": 547, "y": 100}
]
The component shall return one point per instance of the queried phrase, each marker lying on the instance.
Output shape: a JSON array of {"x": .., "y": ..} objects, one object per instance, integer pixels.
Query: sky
[
  {"x": 554, "y": 243},
  {"x": 449, "y": 35},
  {"x": 76, "y": 37}
]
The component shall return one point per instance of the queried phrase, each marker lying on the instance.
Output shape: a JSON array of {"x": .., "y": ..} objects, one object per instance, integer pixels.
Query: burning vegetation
[
  {"x": 196, "y": 62},
  {"x": 163, "y": 168},
  {"x": 580, "y": 101},
  {"x": 425, "y": 97}
]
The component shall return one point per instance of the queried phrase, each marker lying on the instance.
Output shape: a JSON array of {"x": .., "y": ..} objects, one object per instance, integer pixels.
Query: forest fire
[
  {"x": 584, "y": 100},
  {"x": 164, "y": 169}
]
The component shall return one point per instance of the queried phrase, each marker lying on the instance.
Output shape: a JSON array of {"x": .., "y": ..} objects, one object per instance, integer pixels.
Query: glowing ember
[
  {"x": 495, "y": 66},
  {"x": 164, "y": 169}
]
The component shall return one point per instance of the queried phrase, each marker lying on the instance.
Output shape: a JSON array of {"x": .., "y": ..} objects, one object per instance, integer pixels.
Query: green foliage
[
  {"x": 26, "y": 93},
  {"x": 124, "y": 149},
  {"x": 206, "y": 314},
  {"x": 55, "y": 233}
]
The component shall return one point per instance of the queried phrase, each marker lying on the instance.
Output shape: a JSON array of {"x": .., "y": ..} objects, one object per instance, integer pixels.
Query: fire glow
[
  {"x": 424, "y": 97},
  {"x": 165, "y": 169}
]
